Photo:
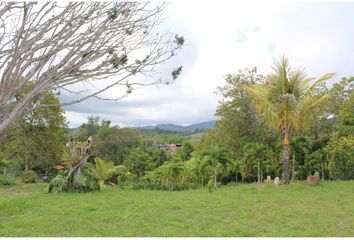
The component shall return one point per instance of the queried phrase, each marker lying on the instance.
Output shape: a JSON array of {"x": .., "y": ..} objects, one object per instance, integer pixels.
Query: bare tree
[{"x": 56, "y": 46}]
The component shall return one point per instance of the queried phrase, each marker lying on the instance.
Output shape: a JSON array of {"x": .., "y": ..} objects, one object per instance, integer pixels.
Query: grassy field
[{"x": 240, "y": 210}]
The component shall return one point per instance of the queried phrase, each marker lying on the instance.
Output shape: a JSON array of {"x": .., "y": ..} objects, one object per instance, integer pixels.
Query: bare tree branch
[{"x": 57, "y": 45}]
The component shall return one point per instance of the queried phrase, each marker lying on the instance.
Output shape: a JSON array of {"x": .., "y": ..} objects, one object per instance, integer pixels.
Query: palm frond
[
  {"x": 264, "y": 107},
  {"x": 310, "y": 86}
]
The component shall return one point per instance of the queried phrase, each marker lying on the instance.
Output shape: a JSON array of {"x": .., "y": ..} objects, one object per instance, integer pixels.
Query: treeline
[
  {"x": 242, "y": 147},
  {"x": 326, "y": 145}
]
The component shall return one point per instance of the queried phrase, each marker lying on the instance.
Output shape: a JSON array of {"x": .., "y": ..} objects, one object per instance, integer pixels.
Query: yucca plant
[
  {"x": 286, "y": 101},
  {"x": 103, "y": 170}
]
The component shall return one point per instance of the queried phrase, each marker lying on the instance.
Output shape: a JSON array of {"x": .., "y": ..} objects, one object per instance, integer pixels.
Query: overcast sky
[{"x": 224, "y": 36}]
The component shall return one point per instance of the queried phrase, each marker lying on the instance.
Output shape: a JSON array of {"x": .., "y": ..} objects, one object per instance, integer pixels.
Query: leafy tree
[
  {"x": 142, "y": 159},
  {"x": 341, "y": 93},
  {"x": 345, "y": 125},
  {"x": 185, "y": 152},
  {"x": 340, "y": 154},
  {"x": 285, "y": 102},
  {"x": 238, "y": 124},
  {"x": 58, "y": 45},
  {"x": 103, "y": 170},
  {"x": 38, "y": 137},
  {"x": 115, "y": 143},
  {"x": 89, "y": 129}
]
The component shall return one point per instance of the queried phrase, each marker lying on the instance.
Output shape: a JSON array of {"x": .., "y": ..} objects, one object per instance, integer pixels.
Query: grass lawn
[{"x": 239, "y": 210}]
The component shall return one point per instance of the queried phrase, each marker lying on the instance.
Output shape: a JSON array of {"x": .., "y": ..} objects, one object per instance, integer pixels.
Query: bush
[
  {"x": 58, "y": 184},
  {"x": 86, "y": 182},
  {"x": 29, "y": 176},
  {"x": 210, "y": 186},
  {"x": 340, "y": 153},
  {"x": 7, "y": 180},
  {"x": 123, "y": 174}
]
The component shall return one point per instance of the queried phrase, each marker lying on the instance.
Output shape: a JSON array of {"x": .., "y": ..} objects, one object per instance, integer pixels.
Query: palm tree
[
  {"x": 197, "y": 172},
  {"x": 216, "y": 159},
  {"x": 257, "y": 153},
  {"x": 235, "y": 166},
  {"x": 103, "y": 170},
  {"x": 317, "y": 161},
  {"x": 170, "y": 174},
  {"x": 285, "y": 102},
  {"x": 298, "y": 144}
]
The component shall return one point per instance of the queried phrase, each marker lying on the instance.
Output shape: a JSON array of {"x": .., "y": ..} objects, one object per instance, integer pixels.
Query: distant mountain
[{"x": 202, "y": 126}]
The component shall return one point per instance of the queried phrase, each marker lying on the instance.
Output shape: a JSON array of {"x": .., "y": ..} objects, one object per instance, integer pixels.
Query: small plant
[
  {"x": 210, "y": 186},
  {"x": 102, "y": 170},
  {"x": 7, "y": 180},
  {"x": 58, "y": 184},
  {"x": 123, "y": 174},
  {"x": 29, "y": 176},
  {"x": 86, "y": 182}
]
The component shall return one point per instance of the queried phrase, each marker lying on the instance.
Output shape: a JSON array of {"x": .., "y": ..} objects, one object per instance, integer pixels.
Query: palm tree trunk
[
  {"x": 286, "y": 151},
  {"x": 293, "y": 171},
  {"x": 215, "y": 179},
  {"x": 259, "y": 172}
]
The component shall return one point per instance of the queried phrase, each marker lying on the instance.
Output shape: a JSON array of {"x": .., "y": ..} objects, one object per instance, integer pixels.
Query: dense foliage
[
  {"x": 7, "y": 180},
  {"x": 240, "y": 148},
  {"x": 341, "y": 158},
  {"x": 29, "y": 176}
]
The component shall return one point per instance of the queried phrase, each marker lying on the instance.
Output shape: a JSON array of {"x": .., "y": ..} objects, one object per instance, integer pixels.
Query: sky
[{"x": 222, "y": 37}]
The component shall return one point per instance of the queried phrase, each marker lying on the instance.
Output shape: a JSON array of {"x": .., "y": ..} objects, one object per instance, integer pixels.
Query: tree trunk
[
  {"x": 236, "y": 177},
  {"x": 215, "y": 179},
  {"x": 259, "y": 172},
  {"x": 322, "y": 172},
  {"x": 26, "y": 153},
  {"x": 293, "y": 171},
  {"x": 286, "y": 151}
]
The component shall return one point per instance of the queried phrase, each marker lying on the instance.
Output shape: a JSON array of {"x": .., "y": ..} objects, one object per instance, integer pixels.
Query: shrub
[
  {"x": 102, "y": 170},
  {"x": 210, "y": 186},
  {"x": 340, "y": 153},
  {"x": 7, "y": 180},
  {"x": 123, "y": 174},
  {"x": 29, "y": 176},
  {"x": 58, "y": 184},
  {"x": 86, "y": 182}
]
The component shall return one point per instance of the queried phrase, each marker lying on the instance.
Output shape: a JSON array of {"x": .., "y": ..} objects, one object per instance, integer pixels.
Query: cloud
[{"x": 222, "y": 37}]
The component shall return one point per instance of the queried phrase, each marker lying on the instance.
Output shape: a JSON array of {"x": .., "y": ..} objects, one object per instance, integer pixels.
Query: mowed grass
[{"x": 325, "y": 210}]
